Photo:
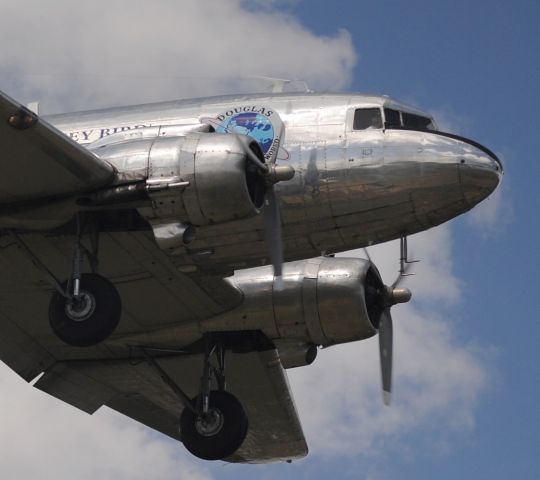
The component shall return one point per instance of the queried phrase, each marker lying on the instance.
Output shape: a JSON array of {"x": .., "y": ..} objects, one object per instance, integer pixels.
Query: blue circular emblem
[{"x": 253, "y": 124}]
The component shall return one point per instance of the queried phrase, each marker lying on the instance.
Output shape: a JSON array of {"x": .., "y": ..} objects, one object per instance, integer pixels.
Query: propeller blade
[
  {"x": 366, "y": 253},
  {"x": 385, "y": 352},
  {"x": 272, "y": 225}
]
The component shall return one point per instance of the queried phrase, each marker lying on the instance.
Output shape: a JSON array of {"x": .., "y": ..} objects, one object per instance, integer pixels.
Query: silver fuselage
[{"x": 351, "y": 188}]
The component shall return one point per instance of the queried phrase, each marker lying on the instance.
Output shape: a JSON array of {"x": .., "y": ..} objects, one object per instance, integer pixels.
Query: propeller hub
[
  {"x": 400, "y": 295},
  {"x": 279, "y": 173}
]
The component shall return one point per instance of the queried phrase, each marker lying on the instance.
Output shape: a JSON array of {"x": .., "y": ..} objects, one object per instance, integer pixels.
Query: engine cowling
[
  {"x": 322, "y": 301},
  {"x": 198, "y": 178}
]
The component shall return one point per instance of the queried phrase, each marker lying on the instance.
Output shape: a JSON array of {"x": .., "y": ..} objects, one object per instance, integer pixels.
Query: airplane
[{"x": 172, "y": 260}]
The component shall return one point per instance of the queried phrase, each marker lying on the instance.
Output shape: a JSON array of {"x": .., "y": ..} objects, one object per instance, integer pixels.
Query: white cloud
[
  {"x": 47, "y": 439},
  {"x": 448, "y": 120},
  {"x": 437, "y": 383},
  {"x": 106, "y": 53},
  {"x": 494, "y": 214}
]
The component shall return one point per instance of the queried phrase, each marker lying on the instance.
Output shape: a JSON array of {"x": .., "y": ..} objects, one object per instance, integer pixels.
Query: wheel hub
[
  {"x": 81, "y": 308},
  {"x": 209, "y": 424}
]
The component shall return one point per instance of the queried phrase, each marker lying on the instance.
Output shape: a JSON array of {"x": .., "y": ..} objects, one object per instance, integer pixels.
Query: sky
[{"x": 466, "y": 347}]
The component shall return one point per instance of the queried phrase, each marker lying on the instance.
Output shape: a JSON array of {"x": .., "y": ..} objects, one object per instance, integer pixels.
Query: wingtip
[{"x": 387, "y": 398}]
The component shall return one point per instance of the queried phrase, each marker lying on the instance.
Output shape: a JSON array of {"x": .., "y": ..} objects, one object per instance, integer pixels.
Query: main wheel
[
  {"x": 92, "y": 317},
  {"x": 219, "y": 433}
]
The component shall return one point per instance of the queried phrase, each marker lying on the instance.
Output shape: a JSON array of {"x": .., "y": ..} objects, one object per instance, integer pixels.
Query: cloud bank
[
  {"x": 44, "y": 438},
  {"x": 125, "y": 51}
]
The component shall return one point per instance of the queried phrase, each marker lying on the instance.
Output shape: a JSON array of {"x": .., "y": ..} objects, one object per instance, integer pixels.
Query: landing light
[{"x": 23, "y": 119}]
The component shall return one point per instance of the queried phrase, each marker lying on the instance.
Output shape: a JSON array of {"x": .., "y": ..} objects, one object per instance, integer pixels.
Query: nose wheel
[{"x": 89, "y": 317}]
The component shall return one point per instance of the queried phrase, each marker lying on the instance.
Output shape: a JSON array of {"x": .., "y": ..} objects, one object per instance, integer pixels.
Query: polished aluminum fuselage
[{"x": 351, "y": 188}]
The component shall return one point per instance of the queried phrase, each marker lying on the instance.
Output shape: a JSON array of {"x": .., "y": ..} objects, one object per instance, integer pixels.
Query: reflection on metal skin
[
  {"x": 199, "y": 178},
  {"x": 321, "y": 302},
  {"x": 173, "y": 235},
  {"x": 480, "y": 174},
  {"x": 296, "y": 353},
  {"x": 351, "y": 188}
]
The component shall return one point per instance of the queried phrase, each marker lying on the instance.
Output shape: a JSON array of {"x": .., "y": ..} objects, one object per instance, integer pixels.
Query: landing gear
[
  {"x": 86, "y": 309},
  {"x": 214, "y": 424},
  {"x": 219, "y": 432},
  {"x": 87, "y": 318}
]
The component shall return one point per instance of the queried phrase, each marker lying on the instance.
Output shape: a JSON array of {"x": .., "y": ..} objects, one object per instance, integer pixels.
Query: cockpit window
[
  {"x": 365, "y": 118},
  {"x": 416, "y": 121},
  {"x": 395, "y": 119},
  {"x": 392, "y": 118}
]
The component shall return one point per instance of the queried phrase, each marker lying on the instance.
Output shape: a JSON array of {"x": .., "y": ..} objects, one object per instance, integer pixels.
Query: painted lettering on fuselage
[{"x": 89, "y": 136}]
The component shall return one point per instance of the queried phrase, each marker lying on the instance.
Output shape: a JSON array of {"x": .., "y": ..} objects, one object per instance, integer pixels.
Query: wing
[
  {"x": 39, "y": 161},
  {"x": 257, "y": 379},
  {"x": 155, "y": 295}
]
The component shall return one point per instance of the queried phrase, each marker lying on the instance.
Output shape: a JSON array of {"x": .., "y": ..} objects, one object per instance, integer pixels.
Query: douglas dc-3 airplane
[{"x": 171, "y": 260}]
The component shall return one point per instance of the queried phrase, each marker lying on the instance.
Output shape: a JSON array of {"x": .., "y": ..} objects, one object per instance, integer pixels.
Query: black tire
[
  {"x": 227, "y": 438},
  {"x": 91, "y": 321}
]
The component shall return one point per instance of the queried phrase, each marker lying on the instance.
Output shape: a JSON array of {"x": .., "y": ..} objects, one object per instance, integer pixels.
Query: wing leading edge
[
  {"x": 257, "y": 379},
  {"x": 38, "y": 161}
]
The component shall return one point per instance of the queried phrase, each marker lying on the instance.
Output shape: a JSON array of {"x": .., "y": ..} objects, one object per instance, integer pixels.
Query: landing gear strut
[
  {"x": 85, "y": 309},
  {"x": 218, "y": 425},
  {"x": 213, "y": 425}
]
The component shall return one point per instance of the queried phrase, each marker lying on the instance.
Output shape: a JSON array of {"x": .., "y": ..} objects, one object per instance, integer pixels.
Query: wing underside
[
  {"x": 134, "y": 388},
  {"x": 155, "y": 295}
]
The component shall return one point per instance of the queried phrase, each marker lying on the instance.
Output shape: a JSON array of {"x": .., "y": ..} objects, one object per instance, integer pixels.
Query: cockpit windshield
[
  {"x": 397, "y": 119},
  {"x": 372, "y": 118}
]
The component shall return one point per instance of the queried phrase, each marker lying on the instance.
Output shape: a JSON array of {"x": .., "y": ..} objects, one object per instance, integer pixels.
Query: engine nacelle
[
  {"x": 198, "y": 178},
  {"x": 322, "y": 302}
]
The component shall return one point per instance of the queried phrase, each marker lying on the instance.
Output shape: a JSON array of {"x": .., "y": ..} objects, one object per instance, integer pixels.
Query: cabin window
[
  {"x": 392, "y": 118},
  {"x": 365, "y": 118},
  {"x": 416, "y": 121}
]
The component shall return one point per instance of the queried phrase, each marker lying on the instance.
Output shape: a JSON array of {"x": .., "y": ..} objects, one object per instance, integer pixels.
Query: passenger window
[
  {"x": 417, "y": 121},
  {"x": 392, "y": 118},
  {"x": 365, "y": 118}
]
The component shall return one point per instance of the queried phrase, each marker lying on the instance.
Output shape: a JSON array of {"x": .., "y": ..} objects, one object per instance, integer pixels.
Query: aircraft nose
[{"x": 480, "y": 172}]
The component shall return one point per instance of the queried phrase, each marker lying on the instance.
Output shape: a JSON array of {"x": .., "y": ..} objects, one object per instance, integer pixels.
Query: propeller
[
  {"x": 272, "y": 174},
  {"x": 383, "y": 299}
]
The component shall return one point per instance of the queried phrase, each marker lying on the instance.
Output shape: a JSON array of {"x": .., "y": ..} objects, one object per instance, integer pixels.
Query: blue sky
[
  {"x": 476, "y": 61},
  {"x": 475, "y": 67}
]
